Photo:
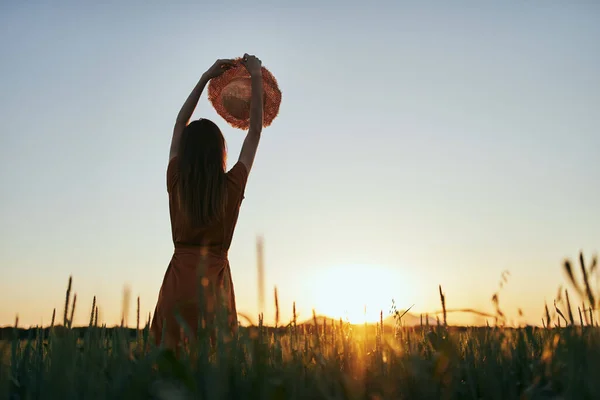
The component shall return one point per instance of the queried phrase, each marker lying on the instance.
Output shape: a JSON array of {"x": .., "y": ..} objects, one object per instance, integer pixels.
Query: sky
[{"x": 418, "y": 144}]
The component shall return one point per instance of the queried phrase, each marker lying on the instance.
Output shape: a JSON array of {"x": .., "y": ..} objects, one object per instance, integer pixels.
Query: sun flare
[{"x": 358, "y": 293}]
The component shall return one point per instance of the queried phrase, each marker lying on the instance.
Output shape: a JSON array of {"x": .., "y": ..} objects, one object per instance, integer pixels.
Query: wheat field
[{"x": 318, "y": 359}]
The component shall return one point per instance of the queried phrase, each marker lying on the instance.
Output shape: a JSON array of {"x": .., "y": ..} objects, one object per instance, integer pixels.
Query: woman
[{"x": 204, "y": 202}]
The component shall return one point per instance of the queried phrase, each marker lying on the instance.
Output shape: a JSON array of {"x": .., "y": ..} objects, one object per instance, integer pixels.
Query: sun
[{"x": 358, "y": 293}]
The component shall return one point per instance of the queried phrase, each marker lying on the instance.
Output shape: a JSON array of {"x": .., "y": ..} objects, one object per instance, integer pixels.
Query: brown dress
[{"x": 199, "y": 257}]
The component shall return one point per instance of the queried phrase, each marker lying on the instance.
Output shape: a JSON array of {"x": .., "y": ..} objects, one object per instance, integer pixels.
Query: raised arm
[
  {"x": 248, "y": 152},
  {"x": 185, "y": 114}
]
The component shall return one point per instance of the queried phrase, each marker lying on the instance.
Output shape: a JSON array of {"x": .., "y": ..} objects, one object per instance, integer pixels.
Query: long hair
[{"x": 202, "y": 180}]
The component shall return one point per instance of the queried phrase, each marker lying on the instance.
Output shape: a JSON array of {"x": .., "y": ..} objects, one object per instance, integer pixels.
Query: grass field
[{"x": 318, "y": 360}]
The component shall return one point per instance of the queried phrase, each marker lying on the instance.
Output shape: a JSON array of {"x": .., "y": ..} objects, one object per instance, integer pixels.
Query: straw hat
[{"x": 231, "y": 92}]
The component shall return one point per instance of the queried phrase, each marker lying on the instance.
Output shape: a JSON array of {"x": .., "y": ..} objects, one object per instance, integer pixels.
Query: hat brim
[{"x": 271, "y": 95}]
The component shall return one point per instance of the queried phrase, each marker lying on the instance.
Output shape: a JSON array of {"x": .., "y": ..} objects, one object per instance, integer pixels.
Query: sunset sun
[{"x": 358, "y": 293}]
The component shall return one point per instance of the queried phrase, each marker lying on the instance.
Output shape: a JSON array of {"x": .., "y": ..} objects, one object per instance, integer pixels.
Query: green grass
[{"x": 332, "y": 360}]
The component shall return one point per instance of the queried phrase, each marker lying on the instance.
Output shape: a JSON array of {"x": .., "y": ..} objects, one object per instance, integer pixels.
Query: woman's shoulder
[
  {"x": 172, "y": 173},
  {"x": 172, "y": 163},
  {"x": 238, "y": 172},
  {"x": 237, "y": 176}
]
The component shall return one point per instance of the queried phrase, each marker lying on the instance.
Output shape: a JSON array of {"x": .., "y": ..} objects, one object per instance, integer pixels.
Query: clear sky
[{"x": 418, "y": 144}]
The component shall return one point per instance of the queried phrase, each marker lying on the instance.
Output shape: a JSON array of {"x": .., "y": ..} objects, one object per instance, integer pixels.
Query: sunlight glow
[{"x": 345, "y": 291}]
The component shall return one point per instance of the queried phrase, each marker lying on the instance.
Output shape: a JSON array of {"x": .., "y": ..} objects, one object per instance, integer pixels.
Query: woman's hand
[
  {"x": 252, "y": 64},
  {"x": 219, "y": 67}
]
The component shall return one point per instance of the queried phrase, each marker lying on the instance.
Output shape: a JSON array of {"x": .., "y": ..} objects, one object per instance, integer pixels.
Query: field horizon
[{"x": 584, "y": 287}]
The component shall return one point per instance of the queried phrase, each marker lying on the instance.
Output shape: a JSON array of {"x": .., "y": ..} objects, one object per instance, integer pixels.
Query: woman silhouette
[{"x": 204, "y": 202}]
